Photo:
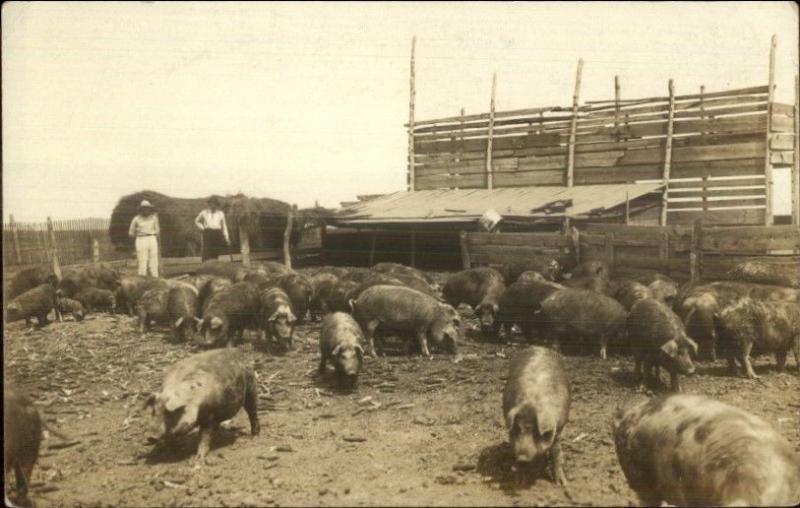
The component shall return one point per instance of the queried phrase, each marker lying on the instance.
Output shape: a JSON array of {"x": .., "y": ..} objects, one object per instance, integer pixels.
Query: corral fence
[{"x": 681, "y": 252}]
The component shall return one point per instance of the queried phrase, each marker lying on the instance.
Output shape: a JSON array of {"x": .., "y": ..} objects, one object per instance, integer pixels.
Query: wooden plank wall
[
  {"x": 29, "y": 243},
  {"x": 716, "y": 134},
  {"x": 632, "y": 250}
]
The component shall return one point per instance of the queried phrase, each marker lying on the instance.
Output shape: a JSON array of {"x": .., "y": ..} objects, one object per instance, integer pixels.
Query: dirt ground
[{"x": 416, "y": 432}]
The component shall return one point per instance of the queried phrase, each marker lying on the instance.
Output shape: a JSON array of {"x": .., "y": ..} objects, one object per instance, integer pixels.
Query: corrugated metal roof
[{"x": 459, "y": 205}]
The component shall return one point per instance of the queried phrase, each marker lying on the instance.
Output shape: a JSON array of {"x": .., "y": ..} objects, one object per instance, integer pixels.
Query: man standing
[
  {"x": 145, "y": 229},
  {"x": 212, "y": 222}
]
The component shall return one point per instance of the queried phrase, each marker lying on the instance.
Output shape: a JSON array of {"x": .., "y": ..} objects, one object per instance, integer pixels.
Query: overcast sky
[{"x": 305, "y": 102}]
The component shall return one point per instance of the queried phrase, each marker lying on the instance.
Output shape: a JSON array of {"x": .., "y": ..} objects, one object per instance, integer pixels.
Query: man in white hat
[{"x": 145, "y": 229}]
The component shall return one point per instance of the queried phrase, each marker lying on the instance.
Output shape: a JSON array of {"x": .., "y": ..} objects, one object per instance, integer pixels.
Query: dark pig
[
  {"x": 322, "y": 282},
  {"x": 231, "y": 271},
  {"x": 597, "y": 283},
  {"x": 203, "y": 391},
  {"x": 228, "y": 313},
  {"x": 592, "y": 269},
  {"x": 36, "y": 302},
  {"x": 132, "y": 287},
  {"x": 70, "y": 306},
  {"x": 778, "y": 274},
  {"x": 397, "y": 268},
  {"x": 337, "y": 298},
  {"x": 277, "y": 318},
  {"x": 481, "y": 289},
  {"x": 182, "y": 309},
  {"x": 28, "y": 279},
  {"x": 628, "y": 292},
  {"x": 658, "y": 339},
  {"x": 520, "y": 303},
  {"x": 96, "y": 299},
  {"x": 747, "y": 325},
  {"x": 211, "y": 288},
  {"x": 153, "y": 306},
  {"x": 340, "y": 342},
  {"x": 274, "y": 268},
  {"x": 300, "y": 290},
  {"x": 551, "y": 268},
  {"x": 77, "y": 278},
  {"x": 407, "y": 311},
  {"x": 531, "y": 276},
  {"x": 22, "y": 437},
  {"x": 580, "y": 317},
  {"x": 536, "y": 401},
  {"x": 689, "y": 450}
]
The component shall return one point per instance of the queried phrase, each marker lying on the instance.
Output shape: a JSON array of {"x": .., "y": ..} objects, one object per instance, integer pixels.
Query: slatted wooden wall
[{"x": 29, "y": 243}]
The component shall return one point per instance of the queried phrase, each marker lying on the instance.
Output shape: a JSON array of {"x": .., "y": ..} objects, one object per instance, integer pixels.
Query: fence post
[
  {"x": 287, "y": 236},
  {"x": 465, "y": 261},
  {"x": 15, "y": 237},
  {"x": 52, "y": 235},
  {"x": 665, "y": 251},
  {"x": 412, "y": 94},
  {"x": 244, "y": 245},
  {"x": 576, "y": 244},
  {"x": 695, "y": 251},
  {"x": 95, "y": 251},
  {"x": 489, "y": 170},
  {"x": 323, "y": 238},
  {"x": 372, "y": 248},
  {"x": 413, "y": 248},
  {"x": 610, "y": 255},
  {"x": 574, "y": 125},
  {"x": 767, "y": 161},
  {"x": 668, "y": 153},
  {"x": 616, "y": 104},
  {"x": 796, "y": 165}
]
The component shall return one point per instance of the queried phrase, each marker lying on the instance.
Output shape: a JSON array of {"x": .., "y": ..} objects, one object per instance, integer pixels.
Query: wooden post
[
  {"x": 372, "y": 248},
  {"x": 705, "y": 194},
  {"x": 161, "y": 270},
  {"x": 323, "y": 239},
  {"x": 767, "y": 162},
  {"x": 695, "y": 252},
  {"x": 287, "y": 237},
  {"x": 576, "y": 244},
  {"x": 413, "y": 248},
  {"x": 574, "y": 125},
  {"x": 244, "y": 245},
  {"x": 664, "y": 251},
  {"x": 609, "y": 245},
  {"x": 489, "y": 174},
  {"x": 412, "y": 95},
  {"x": 702, "y": 106},
  {"x": 95, "y": 251},
  {"x": 796, "y": 165},
  {"x": 627, "y": 209},
  {"x": 465, "y": 261},
  {"x": 616, "y": 103},
  {"x": 15, "y": 237},
  {"x": 668, "y": 153},
  {"x": 54, "y": 248}
]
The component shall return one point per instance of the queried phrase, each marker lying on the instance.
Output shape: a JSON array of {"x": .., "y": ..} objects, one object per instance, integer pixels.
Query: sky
[{"x": 306, "y": 102}]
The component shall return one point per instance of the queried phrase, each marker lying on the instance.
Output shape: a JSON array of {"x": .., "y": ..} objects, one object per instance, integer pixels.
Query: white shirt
[
  {"x": 212, "y": 220},
  {"x": 142, "y": 225}
]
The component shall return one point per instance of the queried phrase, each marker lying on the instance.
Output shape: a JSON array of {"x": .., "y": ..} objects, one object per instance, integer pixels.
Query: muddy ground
[{"x": 416, "y": 432}]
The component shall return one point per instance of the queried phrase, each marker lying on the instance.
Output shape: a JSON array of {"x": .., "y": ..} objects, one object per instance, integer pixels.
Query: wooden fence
[
  {"x": 74, "y": 241},
  {"x": 681, "y": 252}
]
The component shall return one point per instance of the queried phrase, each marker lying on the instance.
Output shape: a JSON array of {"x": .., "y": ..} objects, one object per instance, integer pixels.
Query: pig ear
[
  {"x": 352, "y": 304},
  {"x": 149, "y": 401},
  {"x": 545, "y": 423},
  {"x": 291, "y": 317},
  {"x": 336, "y": 350},
  {"x": 216, "y": 322},
  {"x": 692, "y": 344},
  {"x": 179, "y": 322},
  {"x": 511, "y": 416},
  {"x": 273, "y": 316},
  {"x": 359, "y": 349},
  {"x": 670, "y": 348}
]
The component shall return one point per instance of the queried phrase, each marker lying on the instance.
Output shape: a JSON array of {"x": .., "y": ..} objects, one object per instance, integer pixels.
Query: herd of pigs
[{"x": 674, "y": 448}]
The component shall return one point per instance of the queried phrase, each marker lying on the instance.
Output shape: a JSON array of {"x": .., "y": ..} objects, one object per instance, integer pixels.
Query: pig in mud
[
  {"x": 22, "y": 431},
  {"x": 481, "y": 289},
  {"x": 689, "y": 450},
  {"x": 182, "y": 311},
  {"x": 202, "y": 391},
  {"x": 658, "y": 339},
  {"x": 96, "y": 299},
  {"x": 276, "y": 318},
  {"x": 132, "y": 287},
  {"x": 36, "y": 302},
  {"x": 70, "y": 306},
  {"x": 750, "y": 325},
  {"x": 627, "y": 292},
  {"x": 577, "y": 318},
  {"x": 340, "y": 342},
  {"x": 228, "y": 314},
  {"x": 407, "y": 311},
  {"x": 520, "y": 302},
  {"x": 536, "y": 401}
]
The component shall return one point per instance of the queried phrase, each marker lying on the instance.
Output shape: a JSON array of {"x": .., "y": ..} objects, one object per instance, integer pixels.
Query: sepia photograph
[{"x": 261, "y": 254}]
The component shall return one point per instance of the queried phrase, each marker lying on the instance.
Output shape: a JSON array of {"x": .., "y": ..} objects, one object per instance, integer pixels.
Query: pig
[
  {"x": 664, "y": 289},
  {"x": 749, "y": 324},
  {"x": 70, "y": 306},
  {"x": 597, "y": 283},
  {"x": 778, "y": 274},
  {"x": 153, "y": 306},
  {"x": 76, "y": 278},
  {"x": 340, "y": 342},
  {"x": 520, "y": 303},
  {"x": 260, "y": 280},
  {"x": 339, "y": 271},
  {"x": 27, "y": 279},
  {"x": 182, "y": 311},
  {"x": 536, "y": 400},
  {"x": 211, "y": 288},
  {"x": 397, "y": 268},
  {"x": 132, "y": 288},
  {"x": 358, "y": 274},
  {"x": 405, "y": 310},
  {"x": 202, "y": 391},
  {"x": 36, "y": 302},
  {"x": 690, "y": 450},
  {"x": 274, "y": 268},
  {"x": 551, "y": 268},
  {"x": 628, "y": 292},
  {"x": 22, "y": 431},
  {"x": 481, "y": 289},
  {"x": 531, "y": 276},
  {"x": 592, "y": 269},
  {"x": 198, "y": 281},
  {"x": 416, "y": 283},
  {"x": 658, "y": 339},
  {"x": 276, "y": 318},
  {"x": 228, "y": 313},
  {"x": 337, "y": 298},
  {"x": 96, "y": 299},
  {"x": 321, "y": 282},
  {"x": 231, "y": 271},
  {"x": 376, "y": 279},
  {"x": 300, "y": 289},
  {"x": 581, "y": 316}
]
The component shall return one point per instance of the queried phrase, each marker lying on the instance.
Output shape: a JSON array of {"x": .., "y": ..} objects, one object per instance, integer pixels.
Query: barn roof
[{"x": 467, "y": 205}]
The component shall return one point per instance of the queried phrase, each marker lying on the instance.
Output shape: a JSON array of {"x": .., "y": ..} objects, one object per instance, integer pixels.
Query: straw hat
[{"x": 145, "y": 204}]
